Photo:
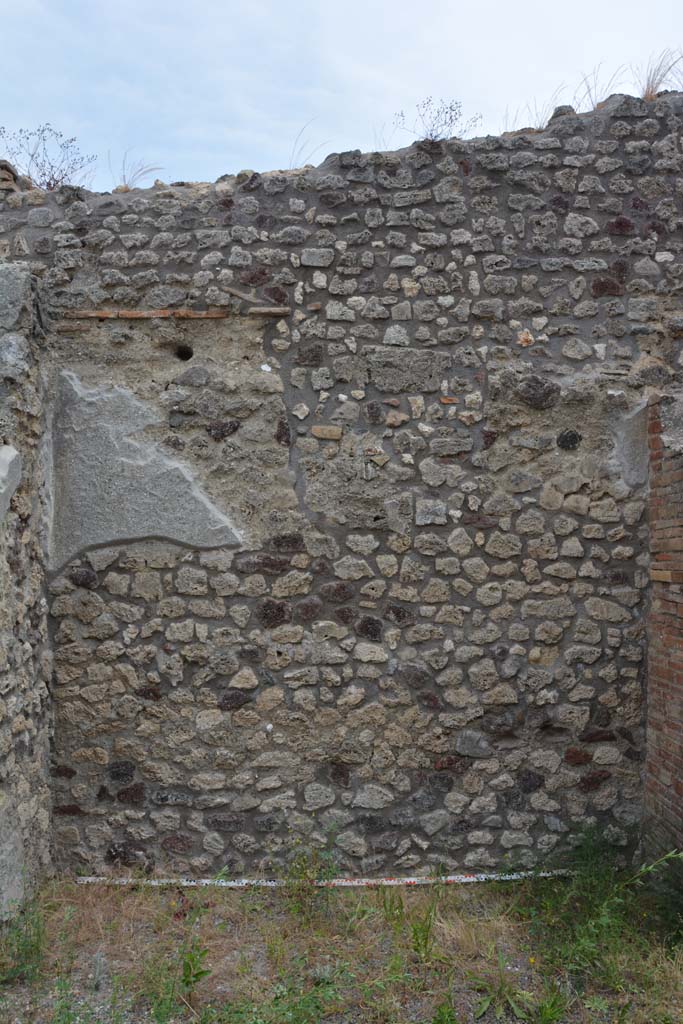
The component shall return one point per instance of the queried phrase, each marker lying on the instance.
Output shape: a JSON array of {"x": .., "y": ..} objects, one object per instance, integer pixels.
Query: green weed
[
  {"x": 307, "y": 868},
  {"x": 22, "y": 945},
  {"x": 500, "y": 994},
  {"x": 393, "y": 908},
  {"x": 584, "y": 921},
  {"x": 292, "y": 1002},
  {"x": 422, "y": 933},
  {"x": 192, "y": 969},
  {"x": 551, "y": 1008},
  {"x": 66, "y": 1010},
  {"x": 444, "y": 1014}
]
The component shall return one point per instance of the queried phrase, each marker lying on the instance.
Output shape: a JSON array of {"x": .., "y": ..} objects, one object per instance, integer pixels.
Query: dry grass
[
  {"x": 661, "y": 71},
  {"x": 594, "y": 87},
  {"x": 131, "y": 173},
  {"x": 384, "y": 957}
]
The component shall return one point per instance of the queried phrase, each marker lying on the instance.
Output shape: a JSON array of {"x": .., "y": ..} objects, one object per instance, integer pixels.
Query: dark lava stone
[
  {"x": 277, "y": 295},
  {"x": 121, "y": 771},
  {"x": 69, "y": 809},
  {"x": 560, "y": 204},
  {"x": 225, "y": 822},
  {"x": 606, "y": 286},
  {"x": 386, "y": 841},
  {"x": 594, "y": 780},
  {"x": 271, "y": 613},
  {"x": 620, "y": 269},
  {"x": 424, "y": 799},
  {"x": 282, "y": 433},
  {"x": 530, "y": 781},
  {"x": 597, "y": 736},
  {"x": 288, "y": 542},
  {"x": 308, "y": 610},
  {"x": 538, "y": 393},
  {"x": 339, "y": 773},
  {"x": 62, "y": 771},
  {"x": 400, "y": 615},
  {"x": 262, "y": 561},
  {"x": 134, "y": 794},
  {"x": 310, "y": 355},
  {"x": 149, "y": 693},
  {"x": 569, "y": 440},
  {"x": 374, "y": 413},
  {"x": 429, "y": 700},
  {"x": 369, "y": 628},
  {"x": 126, "y": 855},
  {"x": 452, "y": 763},
  {"x": 254, "y": 275},
  {"x": 370, "y": 822},
  {"x": 414, "y": 675},
  {"x": 232, "y": 700},
  {"x": 170, "y": 798},
  {"x": 337, "y": 593},
  {"x": 438, "y": 782},
  {"x": 576, "y": 756},
  {"x": 620, "y": 226},
  {"x": 345, "y": 615},
  {"x": 82, "y": 576},
  {"x": 177, "y": 843},
  {"x": 267, "y": 822},
  {"x": 220, "y": 429},
  {"x": 601, "y": 717},
  {"x": 401, "y": 817}
]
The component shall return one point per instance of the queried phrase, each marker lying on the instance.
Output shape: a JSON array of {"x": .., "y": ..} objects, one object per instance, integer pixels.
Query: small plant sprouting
[
  {"x": 305, "y": 871},
  {"x": 302, "y": 151},
  {"x": 131, "y": 173},
  {"x": 193, "y": 968},
  {"x": 422, "y": 932},
  {"x": 393, "y": 907},
  {"x": 436, "y": 120},
  {"x": 500, "y": 994},
  {"x": 444, "y": 1014}
]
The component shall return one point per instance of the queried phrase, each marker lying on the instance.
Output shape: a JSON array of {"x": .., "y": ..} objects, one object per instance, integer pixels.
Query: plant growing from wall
[
  {"x": 437, "y": 119},
  {"x": 46, "y": 156}
]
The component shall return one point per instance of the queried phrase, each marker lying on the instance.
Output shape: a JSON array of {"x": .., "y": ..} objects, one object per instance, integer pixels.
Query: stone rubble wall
[
  {"x": 411, "y": 388},
  {"x": 25, "y": 668}
]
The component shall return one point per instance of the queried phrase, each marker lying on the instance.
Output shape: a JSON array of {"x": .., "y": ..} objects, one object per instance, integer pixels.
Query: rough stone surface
[
  {"x": 25, "y": 658},
  {"x": 413, "y": 385}
]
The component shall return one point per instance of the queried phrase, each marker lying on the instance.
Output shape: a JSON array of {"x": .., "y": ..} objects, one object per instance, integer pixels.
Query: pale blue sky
[{"x": 212, "y": 87}]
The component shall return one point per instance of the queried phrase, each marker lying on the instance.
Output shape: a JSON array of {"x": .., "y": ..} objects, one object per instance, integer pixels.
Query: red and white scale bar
[{"x": 332, "y": 883}]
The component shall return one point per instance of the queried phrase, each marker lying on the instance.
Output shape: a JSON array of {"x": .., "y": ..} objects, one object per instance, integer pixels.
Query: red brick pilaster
[{"x": 664, "y": 760}]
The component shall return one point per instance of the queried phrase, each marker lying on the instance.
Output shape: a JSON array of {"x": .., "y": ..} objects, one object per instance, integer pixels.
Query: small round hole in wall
[{"x": 184, "y": 352}]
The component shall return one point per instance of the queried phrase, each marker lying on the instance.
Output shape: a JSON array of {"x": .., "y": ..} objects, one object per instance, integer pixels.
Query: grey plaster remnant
[
  {"x": 15, "y": 293},
  {"x": 11, "y": 860},
  {"x": 672, "y": 424},
  {"x": 10, "y": 476},
  {"x": 110, "y": 488},
  {"x": 631, "y": 446}
]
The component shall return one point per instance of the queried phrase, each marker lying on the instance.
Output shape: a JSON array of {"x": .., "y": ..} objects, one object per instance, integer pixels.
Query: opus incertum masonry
[{"x": 336, "y": 503}]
